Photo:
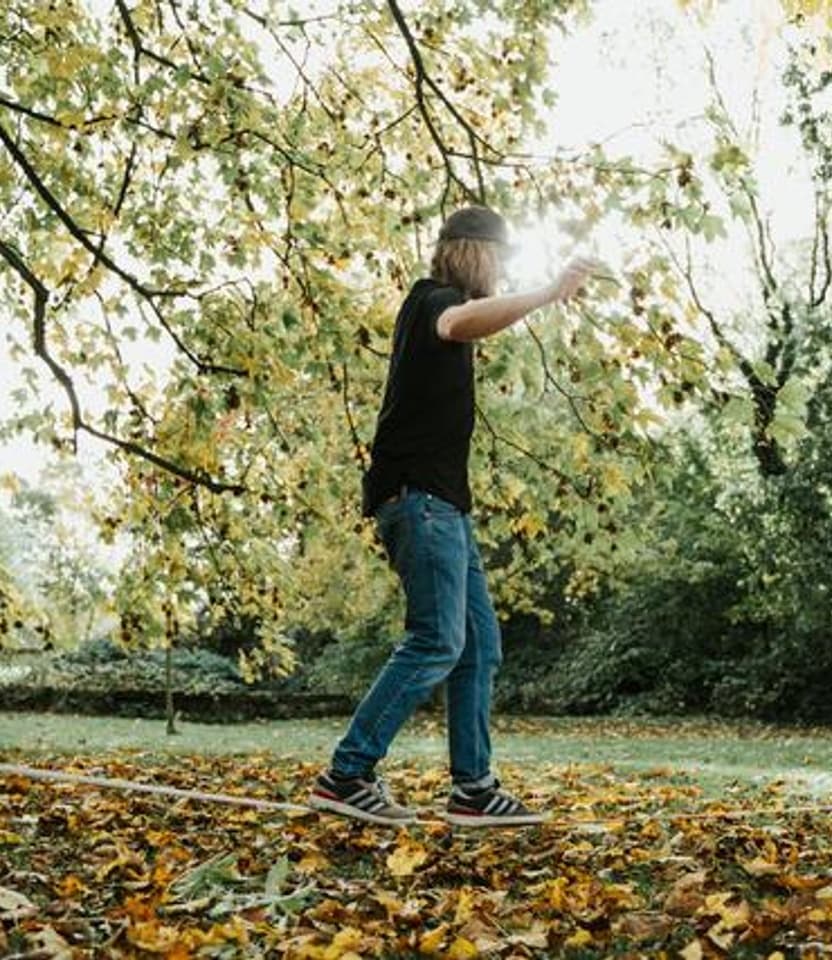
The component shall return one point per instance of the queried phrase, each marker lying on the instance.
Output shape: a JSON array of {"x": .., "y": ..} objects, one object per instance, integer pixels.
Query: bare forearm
[
  {"x": 480, "y": 318},
  {"x": 488, "y": 315}
]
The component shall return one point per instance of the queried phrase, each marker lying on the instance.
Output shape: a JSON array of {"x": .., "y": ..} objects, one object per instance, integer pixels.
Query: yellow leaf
[
  {"x": 70, "y": 885},
  {"x": 514, "y": 488},
  {"x": 721, "y": 937},
  {"x": 555, "y": 891},
  {"x": 580, "y": 449},
  {"x": 736, "y": 917},
  {"x": 464, "y": 906},
  {"x": 580, "y": 938},
  {"x": 462, "y": 949},
  {"x": 345, "y": 942},
  {"x": 152, "y": 936},
  {"x": 312, "y": 861},
  {"x": 693, "y": 951},
  {"x": 760, "y": 867},
  {"x": 430, "y": 942},
  {"x": 529, "y": 524},
  {"x": 404, "y": 860},
  {"x": 391, "y": 904},
  {"x": 614, "y": 480}
]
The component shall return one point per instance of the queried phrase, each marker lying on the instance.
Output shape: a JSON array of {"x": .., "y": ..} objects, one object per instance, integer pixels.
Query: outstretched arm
[{"x": 476, "y": 319}]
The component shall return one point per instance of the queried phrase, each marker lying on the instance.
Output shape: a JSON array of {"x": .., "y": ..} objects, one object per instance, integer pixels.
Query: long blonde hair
[{"x": 471, "y": 265}]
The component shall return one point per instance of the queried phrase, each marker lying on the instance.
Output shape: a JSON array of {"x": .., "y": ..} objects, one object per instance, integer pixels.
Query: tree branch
[
  {"x": 823, "y": 228},
  {"x": 41, "y": 299},
  {"x": 422, "y": 78},
  {"x": 543, "y": 464},
  {"x": 140, "y": 50},
  {"x": 80, "y": 235},
  {"x": 548, "y": 378},
  {"x": 360, "y": 452}
]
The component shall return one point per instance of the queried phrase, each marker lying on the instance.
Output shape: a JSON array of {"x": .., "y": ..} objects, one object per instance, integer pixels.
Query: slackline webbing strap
[{"x": 63, "y": 776}]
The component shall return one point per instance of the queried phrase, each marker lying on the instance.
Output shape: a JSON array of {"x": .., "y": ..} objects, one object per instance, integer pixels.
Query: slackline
[{"x": 63, "y": 776}]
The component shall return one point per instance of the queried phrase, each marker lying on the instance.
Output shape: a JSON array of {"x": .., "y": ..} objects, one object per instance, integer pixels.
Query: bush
[{"x": 103, "y": 663}]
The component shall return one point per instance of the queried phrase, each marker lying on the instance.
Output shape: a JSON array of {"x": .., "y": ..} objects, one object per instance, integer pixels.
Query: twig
[{"x": 548, "y": 378}]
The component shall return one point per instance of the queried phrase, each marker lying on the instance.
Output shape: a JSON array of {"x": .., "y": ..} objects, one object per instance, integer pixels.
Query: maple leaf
[{"x": 406, "y": 858}]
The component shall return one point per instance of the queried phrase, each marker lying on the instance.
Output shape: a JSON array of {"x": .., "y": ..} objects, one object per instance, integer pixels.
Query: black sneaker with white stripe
[
  {"x": 367, "y": 800},
  {"x": 489, "y": 807}
]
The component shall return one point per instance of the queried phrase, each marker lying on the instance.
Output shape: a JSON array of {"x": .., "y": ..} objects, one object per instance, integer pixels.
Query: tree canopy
[{"x": 211, "y": 210}]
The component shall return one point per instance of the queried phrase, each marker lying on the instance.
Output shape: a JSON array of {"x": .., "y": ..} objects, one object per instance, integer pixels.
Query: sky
[
  {"x": 628, "y": 77},
  {"x": 630, "y": 82}
]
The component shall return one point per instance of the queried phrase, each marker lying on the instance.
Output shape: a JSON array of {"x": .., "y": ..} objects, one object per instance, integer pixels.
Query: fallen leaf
[
  {"x": 693, "y": 951},
  {"x": 484, "y": 937},
  {"x": 430, "y": 942},
  {"x": 686, "y": 895},
  {"x": 464, "y": 906},
  {"x": 759, "y": 867},
  {"x": 462, "y": 949},
  {"x": 70, "y": 885},
  {"x": 580, "y": 938},
  {"x": 48, "y": 943},
  {"x": 391, "y": 904},
  {"x": 14, "y": 906},
  {"x": 643, "y": 926},
  {"x": 404, "y": 860},
  {"x": 537, "y": 937},
  {"x": 344, "y": 942},
  {"x": 312, "y": 862},
  {"x": 720, "y": 937}
]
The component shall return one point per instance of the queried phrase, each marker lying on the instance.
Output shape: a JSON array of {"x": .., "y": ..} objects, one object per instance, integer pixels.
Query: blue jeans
[{"x": 451, "y": 634}]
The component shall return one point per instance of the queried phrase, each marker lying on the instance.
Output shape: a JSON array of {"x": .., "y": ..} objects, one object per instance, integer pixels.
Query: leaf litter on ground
[{"x": 630, "y": 865}]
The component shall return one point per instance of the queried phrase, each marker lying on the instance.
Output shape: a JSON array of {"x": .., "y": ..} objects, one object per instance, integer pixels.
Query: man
[{"x": 417, "y": 490}]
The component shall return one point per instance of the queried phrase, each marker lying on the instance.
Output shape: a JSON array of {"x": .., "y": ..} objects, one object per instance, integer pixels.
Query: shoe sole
[
  {"x": 475, "y": 820},
  {"x": 327, "y": 805}
]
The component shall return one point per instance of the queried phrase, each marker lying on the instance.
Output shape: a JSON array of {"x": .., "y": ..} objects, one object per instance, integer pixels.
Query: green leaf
[
  {"x": 793, "y": 395},
  {"x": 712, "y": 227},
  {"x": 739, "y": 410},
  {"x": 277, "y": 876},
  {"x": 764, "y": 370},
  {"x": 787, "y": 428}
]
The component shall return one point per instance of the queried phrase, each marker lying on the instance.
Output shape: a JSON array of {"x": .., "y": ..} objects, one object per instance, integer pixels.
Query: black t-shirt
[{"x": 423, "y": 433}]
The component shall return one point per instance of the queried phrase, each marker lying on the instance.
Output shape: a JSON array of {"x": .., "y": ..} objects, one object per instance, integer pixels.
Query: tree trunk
[{"x": 171, "y": 728}]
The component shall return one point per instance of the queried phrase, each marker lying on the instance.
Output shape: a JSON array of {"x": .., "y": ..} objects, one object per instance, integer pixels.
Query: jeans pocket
[{"x": 435, "y": 508}]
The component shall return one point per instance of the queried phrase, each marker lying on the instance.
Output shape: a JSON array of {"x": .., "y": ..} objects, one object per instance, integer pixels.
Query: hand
[{"x": 573, "y": 276}]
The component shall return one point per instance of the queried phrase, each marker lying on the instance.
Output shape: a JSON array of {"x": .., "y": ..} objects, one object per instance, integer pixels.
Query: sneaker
[
  {"x": 367, "y": 800},
  {"x": 490, "y": 807}
]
